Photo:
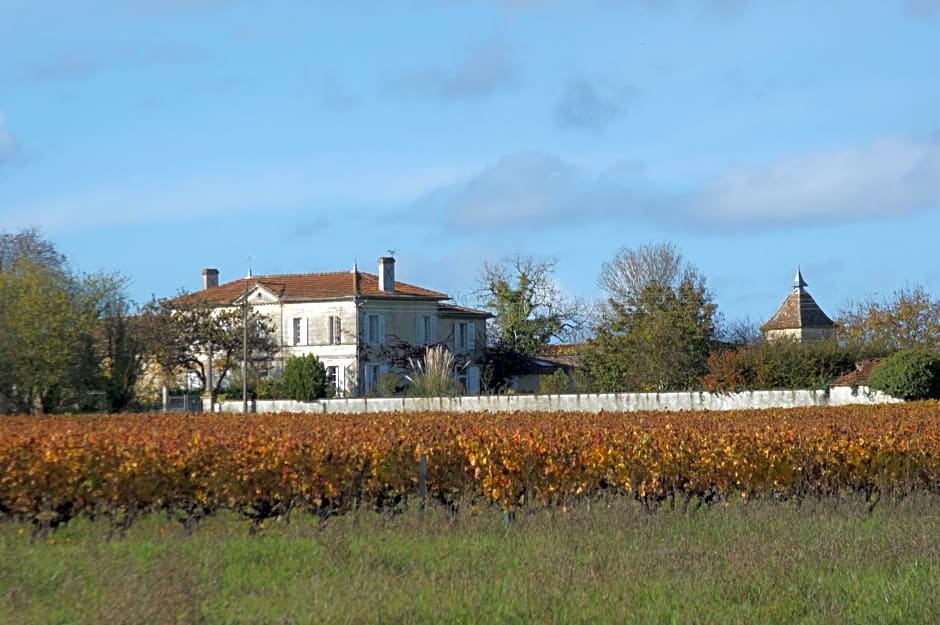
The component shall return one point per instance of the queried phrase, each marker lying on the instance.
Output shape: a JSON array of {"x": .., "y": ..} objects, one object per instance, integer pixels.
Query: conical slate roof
[{"x": 798, "y": 311}]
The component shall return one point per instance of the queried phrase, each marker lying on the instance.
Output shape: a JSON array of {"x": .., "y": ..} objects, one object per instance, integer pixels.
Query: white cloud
[
  {"x": 889, "y": 178},
  {"x": 535, "y": 190},
  {"x": 484, "y": 70}
]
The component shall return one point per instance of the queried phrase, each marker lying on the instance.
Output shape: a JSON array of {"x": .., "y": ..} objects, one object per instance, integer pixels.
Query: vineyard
[{"x": 117, "y": 468}]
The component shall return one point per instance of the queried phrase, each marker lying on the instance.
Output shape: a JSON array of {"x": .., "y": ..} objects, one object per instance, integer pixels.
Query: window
[
  {"x": 425, "y": 330},
  {"x": 464, "y": 335},
  {"x": 373, "y": 373},
  {"x": 332, "y": 377},
  {"x": 298, "y": 334},
  {"x": 375, "y": 329},
  {"x": 336, "y": 330}
]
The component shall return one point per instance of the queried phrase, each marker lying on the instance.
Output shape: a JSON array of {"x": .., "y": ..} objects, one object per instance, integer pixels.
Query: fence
[
  {"x": 609, "y": 402},
  {"x": 184, "y": 403}
]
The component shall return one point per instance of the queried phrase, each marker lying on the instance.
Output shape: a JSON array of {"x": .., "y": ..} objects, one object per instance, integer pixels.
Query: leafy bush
[
  {"x": 304, "y": 378},
  {"x": 778, "y": 364},
  {"x": 908, "y": 374},
  {"x": 387, "y": 385},
  {"x": 555, "y": 384},
  {"x": 270, "y": 388}
]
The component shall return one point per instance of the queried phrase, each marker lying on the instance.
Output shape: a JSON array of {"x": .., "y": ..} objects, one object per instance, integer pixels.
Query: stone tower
[{"x": 799, "y": 318}]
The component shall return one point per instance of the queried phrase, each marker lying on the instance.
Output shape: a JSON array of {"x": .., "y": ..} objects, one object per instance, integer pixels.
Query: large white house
[{"x": 360, "y": 325}]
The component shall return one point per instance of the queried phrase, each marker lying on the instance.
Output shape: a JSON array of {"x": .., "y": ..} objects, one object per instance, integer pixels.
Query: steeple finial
[{"x": 798, "y": 282}]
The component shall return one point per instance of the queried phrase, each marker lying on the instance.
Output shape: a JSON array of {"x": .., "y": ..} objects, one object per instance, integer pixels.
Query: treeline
[
  {"x": 72, "y": 341},
  {"x": 658, "y": 329},
  {"x": 75, "y": 342},
  {"x": 65, "y": 340}
]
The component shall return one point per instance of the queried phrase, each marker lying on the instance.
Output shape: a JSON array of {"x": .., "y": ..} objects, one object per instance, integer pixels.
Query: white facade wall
[{"x": 357, "y": 336}]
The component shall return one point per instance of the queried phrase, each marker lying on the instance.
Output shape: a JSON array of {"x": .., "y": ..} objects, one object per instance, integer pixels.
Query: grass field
[{"x": 823, "y": 562}]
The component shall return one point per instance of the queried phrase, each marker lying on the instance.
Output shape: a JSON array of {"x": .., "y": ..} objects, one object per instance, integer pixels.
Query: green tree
[
  {"x": 909, "y": 319},
  {"x": 119, "y": 341},
  {"x": 304, "y": 378},
  {"x": 529, "y": 312},
  {"x": 51, "y": 321},
  {"x": 656, "y": 328},
  {"x": 909, "y": 374}
]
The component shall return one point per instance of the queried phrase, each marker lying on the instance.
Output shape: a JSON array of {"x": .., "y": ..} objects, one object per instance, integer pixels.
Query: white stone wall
[{"x": 609, "y": 402}]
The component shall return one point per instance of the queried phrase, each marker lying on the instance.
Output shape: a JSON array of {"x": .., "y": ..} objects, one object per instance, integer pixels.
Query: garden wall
[{"x": 596, "y": 402}]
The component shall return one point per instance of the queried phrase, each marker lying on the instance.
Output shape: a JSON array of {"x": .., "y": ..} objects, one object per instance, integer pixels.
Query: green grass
[{"x": 826, "y": 562}]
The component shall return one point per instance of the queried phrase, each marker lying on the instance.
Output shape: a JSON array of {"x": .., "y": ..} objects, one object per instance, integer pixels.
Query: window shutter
[
  {"x": 369, "y": 381},
  {"x": 432, "y": 338},
  {"x": 471, "y": 340},
  {"x": 381, "y": 337},
  {"x": 473, "y": 380},
  {"x": 329, "y": 329},
  {"x": 420, "y": 336},
  {"x": 383, "y": 369},
  {"x": 340, "y": 380},
  {"x": 303, "y": 330},
  {"x": 293, "y": 338},
  {"x": 337, "y": 330},
  {"x": 367, "y": 330}
]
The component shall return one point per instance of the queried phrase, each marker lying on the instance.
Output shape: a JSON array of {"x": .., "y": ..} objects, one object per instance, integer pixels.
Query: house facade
[{"x": 360, "y": 325}]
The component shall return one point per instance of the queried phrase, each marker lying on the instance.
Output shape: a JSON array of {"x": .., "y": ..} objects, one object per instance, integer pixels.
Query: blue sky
[{"x": 158, "y": 137}]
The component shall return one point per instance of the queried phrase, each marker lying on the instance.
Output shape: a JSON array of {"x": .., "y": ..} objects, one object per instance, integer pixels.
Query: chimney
[
  {"x": 210, "y": 278},
  {"x": 387, "y": 274}
]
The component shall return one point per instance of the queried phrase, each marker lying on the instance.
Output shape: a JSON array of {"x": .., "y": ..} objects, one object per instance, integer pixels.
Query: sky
[{"x": 158, "y": 137}]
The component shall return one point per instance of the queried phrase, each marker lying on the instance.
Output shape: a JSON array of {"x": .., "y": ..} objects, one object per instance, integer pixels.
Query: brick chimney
[
  {"x": 387, "y": 274},
  {"x": 210, "y": 278}
]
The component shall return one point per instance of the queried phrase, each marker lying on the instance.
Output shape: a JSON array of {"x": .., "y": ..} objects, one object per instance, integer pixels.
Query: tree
[
  {"x": 656, "y": 328},
  {"x": 909, "y": 374},
  {"x": 304, "y": 378},
  {"x": 909, "y": 319},
  {"x": 50, "y": 324},
  {"x": 182, "y": 334},
  {"x": 529, "y": 312},
  {"x": 628, "y": 275},
  {"x": 119, "y": 341}
]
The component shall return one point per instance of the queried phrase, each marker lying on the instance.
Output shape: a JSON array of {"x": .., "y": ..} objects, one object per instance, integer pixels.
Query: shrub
[
  {"x": 270, "y": 388},
  {"x": 781, "y": 364},
  {"x": 908, "y": 374},
  {"x": 387, "y": 385},
  {"x": 555, "y": 384},
  {"x": 304, "y": 378},
  {"x": 433, "y": 375}
]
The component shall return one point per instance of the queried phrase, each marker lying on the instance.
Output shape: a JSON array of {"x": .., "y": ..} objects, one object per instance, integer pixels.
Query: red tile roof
[
  {"x": 311, "y": 287},
  {"x": 859, "y": 377}
]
